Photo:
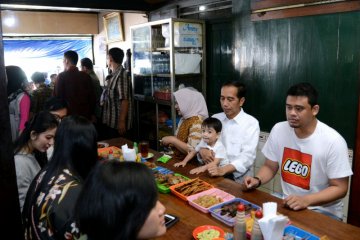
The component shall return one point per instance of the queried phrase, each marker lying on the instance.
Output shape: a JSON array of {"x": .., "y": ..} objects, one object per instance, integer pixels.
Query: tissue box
[{"x": 298, "y": 233}]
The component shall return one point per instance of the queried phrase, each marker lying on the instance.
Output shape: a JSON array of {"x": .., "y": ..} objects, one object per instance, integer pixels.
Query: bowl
[{"x": 207, "y": 227}]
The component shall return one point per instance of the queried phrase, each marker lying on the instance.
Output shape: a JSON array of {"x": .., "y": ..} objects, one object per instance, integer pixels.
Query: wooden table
[{"x": 190, "y": 218}]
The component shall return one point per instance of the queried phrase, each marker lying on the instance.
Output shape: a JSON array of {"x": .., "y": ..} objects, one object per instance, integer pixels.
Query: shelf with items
[{"x": 176, "y": 59}]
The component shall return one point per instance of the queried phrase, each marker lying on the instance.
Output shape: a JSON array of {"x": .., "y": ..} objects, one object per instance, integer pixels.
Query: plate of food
[
  {"x": 150, "y": 155},
  {"x": 208, "y": 232},
  {"x": 102, "y": 144}
]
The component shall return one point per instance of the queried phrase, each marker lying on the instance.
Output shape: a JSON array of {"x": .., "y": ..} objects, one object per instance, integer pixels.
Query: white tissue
[
  {"x": 272, "y": 226},
  {"x": 128, "y": 153},
  {"x": 269, "y": 209}
]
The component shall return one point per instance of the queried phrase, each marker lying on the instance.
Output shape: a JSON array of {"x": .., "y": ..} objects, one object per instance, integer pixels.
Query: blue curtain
[{"x": 43, "y": 55}]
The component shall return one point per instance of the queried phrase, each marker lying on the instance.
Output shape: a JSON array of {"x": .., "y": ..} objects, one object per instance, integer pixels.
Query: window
[{"x": 44, "y": 54}]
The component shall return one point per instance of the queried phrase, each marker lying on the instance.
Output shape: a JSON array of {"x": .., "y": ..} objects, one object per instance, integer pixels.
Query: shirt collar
[{"x": 237, "y": 118}]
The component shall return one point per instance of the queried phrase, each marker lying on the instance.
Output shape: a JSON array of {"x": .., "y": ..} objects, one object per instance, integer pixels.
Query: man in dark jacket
[{"x": 75, "y": 88}]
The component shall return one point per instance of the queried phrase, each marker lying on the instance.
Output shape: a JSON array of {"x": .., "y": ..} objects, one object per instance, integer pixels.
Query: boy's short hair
[{"x": 214, "y": 123}]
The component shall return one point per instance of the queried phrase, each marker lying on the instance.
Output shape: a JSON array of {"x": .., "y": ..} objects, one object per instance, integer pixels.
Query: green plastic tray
[{"x": 164, "y": 189}]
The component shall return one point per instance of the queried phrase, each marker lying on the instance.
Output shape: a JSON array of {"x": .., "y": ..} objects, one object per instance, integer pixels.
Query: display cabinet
[{"x": 167, "y": 54}]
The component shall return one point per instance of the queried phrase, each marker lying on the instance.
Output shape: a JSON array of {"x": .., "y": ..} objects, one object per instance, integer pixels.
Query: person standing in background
[
  {"x": 40, "y": 94},
  {"x": 18, "y": 99},
  {"x": 58, "y": 108},
  {"x": 75, "y": 88},
  {"x": 52, "y": 80},
  {"x": 87, "y": 66},
  {"x": 117, "y": 109}
]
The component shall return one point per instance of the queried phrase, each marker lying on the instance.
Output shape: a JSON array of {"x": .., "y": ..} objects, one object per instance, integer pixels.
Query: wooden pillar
[
  {"x": 10, "y": 217},
  {"x": 354, "y": 206}
]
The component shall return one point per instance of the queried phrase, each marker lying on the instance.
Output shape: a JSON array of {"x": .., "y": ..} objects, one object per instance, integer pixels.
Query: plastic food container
[
  {"x": 165, "y": 189},
  {"x": 299, "y": 233},
  {"x": 215, "y": 192},
  {"x": 174, "y": 188},
  {"x": 104, "y": 152},
  {"x": 215, "y": 211}
]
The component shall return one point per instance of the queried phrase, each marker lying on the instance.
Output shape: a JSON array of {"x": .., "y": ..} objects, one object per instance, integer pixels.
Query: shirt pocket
[{"x": 234, "y": 148}]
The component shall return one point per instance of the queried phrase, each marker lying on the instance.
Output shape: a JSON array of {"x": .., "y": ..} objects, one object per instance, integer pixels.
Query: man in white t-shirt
[
  {"x": 312, "y": 157},
  {"x": 240, "y": 135}
]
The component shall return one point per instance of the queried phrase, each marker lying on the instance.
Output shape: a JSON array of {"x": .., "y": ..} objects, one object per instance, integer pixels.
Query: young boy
[{"x": 211, "y": 130}]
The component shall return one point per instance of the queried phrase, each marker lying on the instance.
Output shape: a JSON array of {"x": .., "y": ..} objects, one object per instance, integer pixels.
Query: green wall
[{"x": 324, "y": 50}]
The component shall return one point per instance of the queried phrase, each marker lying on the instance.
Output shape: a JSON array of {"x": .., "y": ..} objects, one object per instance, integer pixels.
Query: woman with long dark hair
[
  {"x": 18, "y": 98},
  {"x": 30, "y": 150},
  {"x": 49, "y": 206},
  {"x": 119, "y": 201}
]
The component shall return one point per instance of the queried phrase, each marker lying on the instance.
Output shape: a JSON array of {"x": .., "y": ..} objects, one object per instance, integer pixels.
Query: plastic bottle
[
  {"x": 240, "y": 224},
  {"x": 136, "y": 147},
  {"x": 110, "y": 156},
  {"x": 256, "y": 231}
]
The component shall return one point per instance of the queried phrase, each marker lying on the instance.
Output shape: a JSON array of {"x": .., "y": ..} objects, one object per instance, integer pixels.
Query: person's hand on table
[
  {"x": 180, "y": 164},
  {"x": 296, "y": 202},
  {"x": 207, "y": 155},
  {"x": 198, "y": 170},
  {"x": 165, "y": 141},
  {"x": 214, "y": 170},
  {"x": 250, "y": 183}
]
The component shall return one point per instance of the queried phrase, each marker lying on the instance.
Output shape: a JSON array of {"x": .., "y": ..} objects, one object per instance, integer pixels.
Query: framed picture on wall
[{"x": 113, "y": 27}]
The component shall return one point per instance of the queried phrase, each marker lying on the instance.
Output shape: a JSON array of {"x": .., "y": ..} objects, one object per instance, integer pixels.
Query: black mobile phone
[{"x": 170, "y": 220}]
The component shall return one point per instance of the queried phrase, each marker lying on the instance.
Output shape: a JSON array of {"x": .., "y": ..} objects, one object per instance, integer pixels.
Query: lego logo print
[{"x": 296, "y": 167}]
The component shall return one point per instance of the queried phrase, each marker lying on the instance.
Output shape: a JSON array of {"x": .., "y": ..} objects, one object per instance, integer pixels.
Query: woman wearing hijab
[{"x": 191, "y": 106}]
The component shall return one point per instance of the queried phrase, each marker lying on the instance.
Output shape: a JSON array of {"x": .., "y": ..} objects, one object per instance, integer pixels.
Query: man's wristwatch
[{"x": 259, "y": 184}]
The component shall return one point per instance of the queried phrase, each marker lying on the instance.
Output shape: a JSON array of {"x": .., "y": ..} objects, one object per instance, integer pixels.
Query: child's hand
[{"x": 180, "y": 164}]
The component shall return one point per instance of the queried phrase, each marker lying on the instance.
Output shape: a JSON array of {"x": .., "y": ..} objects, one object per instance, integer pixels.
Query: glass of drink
[{"x": 144, "y": 148}]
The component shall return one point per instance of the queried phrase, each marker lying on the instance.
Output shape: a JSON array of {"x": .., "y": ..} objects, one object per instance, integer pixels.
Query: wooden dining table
[{"x": 190, "y": 218}]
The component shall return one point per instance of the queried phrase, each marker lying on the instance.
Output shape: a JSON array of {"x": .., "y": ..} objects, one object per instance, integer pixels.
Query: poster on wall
[{"x": 113, "y": 27}]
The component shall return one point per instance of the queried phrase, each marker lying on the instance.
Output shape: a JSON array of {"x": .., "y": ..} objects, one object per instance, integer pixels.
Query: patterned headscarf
[{"x": 191, "y": 103}]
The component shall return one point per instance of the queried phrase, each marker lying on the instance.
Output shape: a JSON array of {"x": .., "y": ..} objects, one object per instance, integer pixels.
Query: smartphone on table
[{"x": 170, "y": 220}]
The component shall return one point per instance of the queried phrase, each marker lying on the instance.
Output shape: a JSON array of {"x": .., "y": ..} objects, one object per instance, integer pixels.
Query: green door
[{"x": 219, "y": 62}]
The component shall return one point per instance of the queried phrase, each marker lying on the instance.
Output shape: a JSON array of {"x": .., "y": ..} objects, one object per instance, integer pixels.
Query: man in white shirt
[
  {"x": 312, "y": 157},
  {"x": 240, "y": 134}
]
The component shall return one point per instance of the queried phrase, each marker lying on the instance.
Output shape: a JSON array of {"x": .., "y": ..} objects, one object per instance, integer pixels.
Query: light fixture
[
  {"x": 202, "y": 8},
  {"x": 9, "y": 21}
]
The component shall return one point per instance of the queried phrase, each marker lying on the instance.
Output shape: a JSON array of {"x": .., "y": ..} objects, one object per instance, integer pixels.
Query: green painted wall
[{"x": 324, "y": 50}]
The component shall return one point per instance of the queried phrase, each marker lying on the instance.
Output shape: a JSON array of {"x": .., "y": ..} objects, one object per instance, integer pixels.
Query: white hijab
[{"x": 191, "y": 103}]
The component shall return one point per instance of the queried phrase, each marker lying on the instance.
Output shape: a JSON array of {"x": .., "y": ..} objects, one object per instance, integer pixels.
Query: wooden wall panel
[
  {"x": 321, "y": 49},
  {"x": 50, "y": 23}
]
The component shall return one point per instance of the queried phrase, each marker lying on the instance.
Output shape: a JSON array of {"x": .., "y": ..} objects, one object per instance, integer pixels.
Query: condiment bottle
[
  {"x": 240, "y": 224},
  {"x": 136, "y": 147},
  {"x": 110, "y": 156},
  {"x": 256, "y": 231}
]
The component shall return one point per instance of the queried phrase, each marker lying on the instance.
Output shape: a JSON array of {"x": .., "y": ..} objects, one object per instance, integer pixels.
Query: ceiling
[{"x": 90, "y": 5}]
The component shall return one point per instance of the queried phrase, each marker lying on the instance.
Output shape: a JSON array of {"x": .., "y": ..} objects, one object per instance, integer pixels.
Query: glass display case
[{"x": 167, "y": 55}]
